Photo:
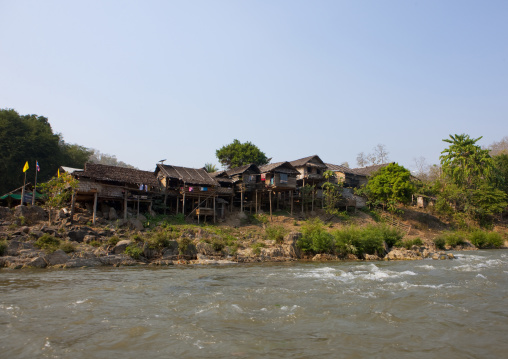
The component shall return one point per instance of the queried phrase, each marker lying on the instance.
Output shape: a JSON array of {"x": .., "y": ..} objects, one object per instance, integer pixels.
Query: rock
[
  {"x": 135, "y": 224},
  {"x": 149, "y": 252},
  {"x": 33, "y": 214},
  {"x": 272, "y": 252},
  {"x": 289, "y": 247},
  {"x": 5, "y": 213},
  {"x": 242, "y": 215},
  {"x": 36, "y": 234},
  {"x": 13, "y": 247},
  {"x": 113, "y": 216},
  {"x": 141, "y": 218},
  {"x": 77, "y": 236},
  {"x": 370, "y": 257},
  {"x": 171, "y": 251},
  {"x": 450, "y": 256},
  {"x": 205, "y": 249},
  {"x": 25, "y": 229},
  {"x": 83, "y": 262},
  {"x": 403, "y": 254},
  {"x": 56, "y": 258},
  {"x": 62, "y": 214},
  {"x": 324, "y": 257},
  {"x": 37, "y": 262},
  {"x": 122, "y": 245}
]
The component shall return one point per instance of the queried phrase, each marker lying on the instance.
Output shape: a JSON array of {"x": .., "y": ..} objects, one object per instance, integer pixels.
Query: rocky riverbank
[{"x": 30, "y": 242}]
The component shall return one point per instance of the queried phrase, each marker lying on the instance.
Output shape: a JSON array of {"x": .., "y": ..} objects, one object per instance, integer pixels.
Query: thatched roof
[
  {"x": 311, "y": 160},
  {"x": 339, "y": 168},
  {"x": 196, "y": 176},
  {"x": 117, "y": 174},
  {"x": 281, "y": 167},
  {"x": 369, "y": 170},
  {"x": 242, "y": 169}
]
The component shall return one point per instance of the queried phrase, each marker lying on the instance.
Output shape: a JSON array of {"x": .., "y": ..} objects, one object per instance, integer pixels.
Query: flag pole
[
  {"x": 35, "y": 186},
  {"x": 23, "y": 190}
]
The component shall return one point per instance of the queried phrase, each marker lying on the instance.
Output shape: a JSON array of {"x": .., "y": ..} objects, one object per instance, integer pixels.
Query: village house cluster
[{"x": 292, "y": 186}]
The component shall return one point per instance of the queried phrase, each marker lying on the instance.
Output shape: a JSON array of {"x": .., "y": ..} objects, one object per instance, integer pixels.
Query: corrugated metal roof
[{"x": 118, "y": 174}]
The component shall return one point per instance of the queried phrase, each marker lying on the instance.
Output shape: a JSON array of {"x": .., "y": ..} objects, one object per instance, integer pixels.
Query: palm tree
[{"x": 210, "y": 168}]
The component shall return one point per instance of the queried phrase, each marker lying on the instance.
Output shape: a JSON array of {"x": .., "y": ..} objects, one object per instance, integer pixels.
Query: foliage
[
  {"x": 48, "y": 243},
  {"x": 238, "y": 154},
  {"x": 440, "y": 242},
  {"x": 408, "y": 244},
  {"x": 58, "y": 191},
  {"x": 275, "y": 233},
  {"x": 331, "y": 192},
  {"x": 113, "y": 240},
  {"x": 499, "y": 148},
  {"x": 315, "y": 238},
  {"x": 452, "y": 239},
  {"x": 183, "y": 245},
  {"x": 347, "y": 240},
  {"x": 470, "y": 180},
  {"x": 133, "y": 251},
  {"x": 98, "y": 157},
  {"x": 390, "y": 186},
  {"x": 378, "y": 156},
  {"x": 484, "y": 239},
  {"x": 501, "y": 165},
  {"x": 159, "y": 240},
  {"x": 210, "y": 168},
  {"x": 3, "y": 247},
  {"x": 67, "y": 247},
  {"x": 359, "y": 241},
  {"x": 218, "y": 244},
  {"x": 256, "y": 247},
  {"x": 30, "y": 138}
]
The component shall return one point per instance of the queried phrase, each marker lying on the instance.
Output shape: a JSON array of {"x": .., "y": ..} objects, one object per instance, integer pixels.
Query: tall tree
[
  {"x": 210, "y": 168},
  {"x": 238, "y": 154},
  {"x": 499, "y": 148}
]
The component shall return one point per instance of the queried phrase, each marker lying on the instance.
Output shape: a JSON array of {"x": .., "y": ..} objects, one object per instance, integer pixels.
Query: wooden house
[
  {"x": 347, "y": 176},
  {"x": 190, "y": 190},
  {"x": 310, "y": 170},
  {"x": 279, "y": 178},
  {"x": 364, "y": 173},
  {"x": 118, "y": 186}
]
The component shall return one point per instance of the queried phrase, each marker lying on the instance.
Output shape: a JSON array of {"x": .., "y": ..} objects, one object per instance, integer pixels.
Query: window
[{"x": 283, "y": 178}]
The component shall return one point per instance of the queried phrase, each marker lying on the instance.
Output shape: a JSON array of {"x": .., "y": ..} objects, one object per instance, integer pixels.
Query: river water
[{"x": 415, "y": 309}]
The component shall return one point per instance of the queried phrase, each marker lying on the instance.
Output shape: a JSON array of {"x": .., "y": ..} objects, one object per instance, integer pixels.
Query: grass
[
  {"x": 256, "y": 247},
  {"x": 484, "y": 239},
  {"x": 275, "y": 233},
  {"x": 113, "y": 241},
  {"x": 133, "y": 251},
  {"x": 3, "y": 247},
  {"x": 48, "y": 243},
  {"x": 68, "y": 247}
]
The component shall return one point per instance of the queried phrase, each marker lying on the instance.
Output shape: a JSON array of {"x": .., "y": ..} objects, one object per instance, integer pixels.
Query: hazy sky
[{"x": 176, "y": 80}]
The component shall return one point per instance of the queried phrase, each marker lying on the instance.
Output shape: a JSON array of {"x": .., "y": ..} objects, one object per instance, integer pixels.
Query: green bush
[
  {"x": 133, "y": 251},
  {"x": 315, "y": 238},
  {"x": 346, "y": 240},
  {"x": 372, "y": 240},
  {"x": 218, "y": 244},
  {"x": 390, "y": 235},
  {"x": 483, "y": 239},
  {"x": 408, "y": 244},
  {"x": 158, "y": 240},
  {"x": 440, "y": 242},
  {"x": 113, "y": 240},
  {"x": 256, "y": 247},
  {"x": 454, "y": 239},
  {"x": 3, "y": 247},
  {"x": 184, "y": 244},
  {"x": 95, "y": 243},
  {"x": 67, "y": 247},
  {"x": 275, "y": 233},
  {"x": 48, "y": 243}
]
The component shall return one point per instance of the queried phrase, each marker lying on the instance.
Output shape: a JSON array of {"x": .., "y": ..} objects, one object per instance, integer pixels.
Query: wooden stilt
[
  {"x": 94, "y": 208},
  {"x": 183, "y": 202},
  {"x": 214, "y": 209},
  {"x": 270, "y": 204},
  {"x": 291, "y": 195},
  {"x": 166, "y": 196},
  {"x": 241, "y": 201},
  {"x": 138, "y": 206},
  {"x": 256, "y": 201},
  {"x": 125, "y": 205},
  {"x": 73, "y": 204}
]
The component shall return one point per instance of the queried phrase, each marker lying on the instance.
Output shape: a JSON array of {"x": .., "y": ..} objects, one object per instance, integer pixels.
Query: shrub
[
  {"x": 408, "y": 244},
  {"x": 68, "y": 247},
  {"x": 183, "y": 244},
  {"x": 315, "y": 238},
  {"x": 275, "y": 233},
  {"x": 218, "y": 244},
  {"x": 346, "y": 240},
  {"x": 48, "y": 243},
  {"x": 440, "y": 242},
  {"x": 372, "y": 240},
  {"x": 113, "y": 240},
  {"x": 95, "y": 243},
  {"x": 483, "y": 239},
  {"x": 133, "y": 251},
  {"x": 3, "y": 247},
  {"x": 158, "y": 240},
  {"x": 454, "y": 239},
  {"x": 390, "y": 235},
  {"x": 256, "y": 247}
]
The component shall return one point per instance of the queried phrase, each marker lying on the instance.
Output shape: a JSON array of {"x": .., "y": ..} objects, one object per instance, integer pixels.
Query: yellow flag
[
  {"x": 59, "y": 172},
  {"x": 26, "y": 167}
]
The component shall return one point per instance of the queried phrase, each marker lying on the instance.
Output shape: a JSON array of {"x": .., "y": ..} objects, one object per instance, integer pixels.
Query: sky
[{"x": 177, "y": 80}]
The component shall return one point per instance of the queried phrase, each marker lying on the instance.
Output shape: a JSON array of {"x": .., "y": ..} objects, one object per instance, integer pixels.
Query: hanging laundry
[
  {"x": 141, "y": 187},
  {"x": 204, "y": 189},
  {"x": 263, "y": 177},
  {"x": 191, "y": 189}
]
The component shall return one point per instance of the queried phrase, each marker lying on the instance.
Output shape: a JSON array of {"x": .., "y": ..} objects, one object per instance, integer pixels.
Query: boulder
[
  {"x": 37, "y": 262},
  {"x": 56, "y": 258},
  {"x": 83, "y": 262},
  {"x": 135, "y": 224},
  {"x": 77, "y": 236},
  {"x": 324, "y": 257},
  {"x": 5, "y": 213},
  {"x": 289, "y": 246},
  {"x": 205, "y": 249},
  {"x": 272, "y": 252},
  {"x": 33, "y": 214},
  {"x": 89, "y": 238},
  {"x": 113, "y": 216},
  {"x": 141, "y": 218},
  {"x": 122, "y": 245}
]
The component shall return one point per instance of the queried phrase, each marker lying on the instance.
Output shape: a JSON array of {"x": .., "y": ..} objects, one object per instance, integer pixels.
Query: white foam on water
[
  {"x": 480, "y": 276},
  {"x": 426, "y": 266},
  {"x": 81, "y": 301},
  {"x": 198, "y": 344},
  {"x": 237, "y": 308}
]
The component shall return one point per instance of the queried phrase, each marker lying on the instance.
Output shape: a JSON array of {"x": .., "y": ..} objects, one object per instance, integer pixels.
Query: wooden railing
[{"x": 394, "y": 222}]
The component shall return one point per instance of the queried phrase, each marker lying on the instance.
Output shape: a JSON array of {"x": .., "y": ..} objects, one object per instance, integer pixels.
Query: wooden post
[
  {"x": 166, "y": 195},
  {"x": 291, "y": 196},
  {"x": 138, "y": 206},
  {"x": 312, "y": 205},
  {"x": 270, "y": 204},
  {"x": 177, "y": 203},
  {"x": 241, "y": 201},
  {"x": 256, "y": 201},
  {"x": 125, "y": 205},
  {"x": 231, "y": 204},
  {"x": 183, "y": 202},
  {"x": 94, "y": 208},
  {"x": 73, "y": 204},
  {"x": 213, "y": 209}
]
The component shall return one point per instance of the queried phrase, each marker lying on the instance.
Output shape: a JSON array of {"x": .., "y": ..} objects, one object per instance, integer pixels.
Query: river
[{"x": 415, "y": 309}]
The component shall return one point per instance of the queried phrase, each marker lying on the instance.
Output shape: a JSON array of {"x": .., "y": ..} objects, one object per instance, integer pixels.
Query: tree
[
  {"x": 378, "y": 156},
  {"x": 58, "y": 191},
  {"x": 331, "y": 192},
  {"x": 499, "y": 148},
  {"x": 238, "y": 154},
  {"x": 98, "y": 157},
  {"x": 390, "y": 186},
  {"x": 470, "y": 179},
  {"x": 210, "y": 168}
]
